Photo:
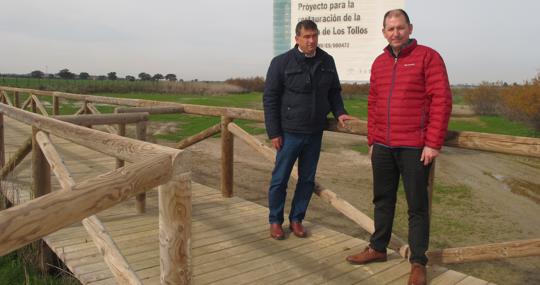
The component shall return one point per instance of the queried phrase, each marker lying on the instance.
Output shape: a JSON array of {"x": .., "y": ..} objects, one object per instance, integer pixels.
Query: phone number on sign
[{"x": 334, "y": 45}]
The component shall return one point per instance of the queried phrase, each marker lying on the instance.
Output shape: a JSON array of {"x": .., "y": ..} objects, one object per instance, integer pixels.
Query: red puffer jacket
[{"x": 409, "y": 101}]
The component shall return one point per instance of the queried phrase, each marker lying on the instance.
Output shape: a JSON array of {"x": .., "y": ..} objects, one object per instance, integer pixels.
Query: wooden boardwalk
[{"x": 230, "y": 241}]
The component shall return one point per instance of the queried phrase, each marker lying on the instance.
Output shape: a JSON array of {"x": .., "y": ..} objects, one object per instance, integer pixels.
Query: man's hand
[
  {"x": 277, "y": 142},
  {"x": 370, "y": 152},
  {"x": 344, "y": 118},
  {"x": 428, "y": 155}
]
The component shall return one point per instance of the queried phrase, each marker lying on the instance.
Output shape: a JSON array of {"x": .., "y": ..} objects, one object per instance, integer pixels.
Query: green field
[{"x": 357, "y": 107}]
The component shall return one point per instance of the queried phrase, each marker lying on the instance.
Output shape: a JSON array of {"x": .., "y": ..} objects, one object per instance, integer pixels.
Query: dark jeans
[
  {"x": 388, "y": 165},
  {"x": 305, "y": 147}
]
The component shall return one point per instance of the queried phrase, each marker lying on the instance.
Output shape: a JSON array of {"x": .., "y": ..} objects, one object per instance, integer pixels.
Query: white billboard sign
[{"x": 350, "y": 31}]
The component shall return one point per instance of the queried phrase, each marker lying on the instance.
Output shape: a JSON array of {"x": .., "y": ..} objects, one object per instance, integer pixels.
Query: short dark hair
[
  {"x": 307, "y": 25},
  {"x": 395, "y": 13}
]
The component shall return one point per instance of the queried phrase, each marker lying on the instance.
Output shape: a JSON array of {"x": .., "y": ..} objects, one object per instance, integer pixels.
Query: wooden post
[
  {"x": 431, "y": 181},
  {"x": 175, "y": 228},
  {"x": 140, "y": 203},
  {"x": 4, "y": 203},
  {"x": 227, "y": 158},
  {"x": 122, "y": 133},
  {"x": 16, "y": 99},
  {"x": 32, "y": 104},
  {"x": 41, "y": 185},
  {"x": 56, "y": 105}
]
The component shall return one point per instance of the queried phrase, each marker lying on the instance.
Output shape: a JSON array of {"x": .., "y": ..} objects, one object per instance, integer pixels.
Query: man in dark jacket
[
  {"x": 302, "y": 87},
  {"x": 409, "y": 106}
]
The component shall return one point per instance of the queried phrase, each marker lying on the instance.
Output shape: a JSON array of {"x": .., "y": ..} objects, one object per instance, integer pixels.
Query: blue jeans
[{"x": 306, "y": 148}]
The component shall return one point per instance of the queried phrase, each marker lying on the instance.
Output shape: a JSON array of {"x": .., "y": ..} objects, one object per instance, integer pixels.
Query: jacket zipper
[{"x": 389, "y": 98}]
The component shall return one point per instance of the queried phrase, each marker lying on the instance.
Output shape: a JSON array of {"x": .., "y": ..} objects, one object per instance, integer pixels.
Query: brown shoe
[
  {"x": 276, "y": 232},
  {"x": 418, "y": 274},
  {"x": 298, "y": 230},
  {"x": 367, "y": 256}
]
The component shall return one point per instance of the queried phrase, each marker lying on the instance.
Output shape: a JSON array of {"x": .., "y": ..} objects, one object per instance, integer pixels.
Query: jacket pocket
[
  {"x": 327, "y": 77},
  {"x": 297, "y": 80}
]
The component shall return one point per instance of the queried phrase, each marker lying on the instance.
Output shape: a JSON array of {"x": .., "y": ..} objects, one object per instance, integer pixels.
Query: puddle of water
[{"x": 519, "y": 187}]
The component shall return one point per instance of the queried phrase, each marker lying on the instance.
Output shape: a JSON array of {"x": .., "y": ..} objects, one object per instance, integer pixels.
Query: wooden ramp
[{"x": 230, "y": 241}]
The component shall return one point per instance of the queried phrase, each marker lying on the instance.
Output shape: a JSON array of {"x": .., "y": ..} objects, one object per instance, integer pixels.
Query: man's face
[
  {"x": 397, "y": 31},
  {"x": 307, "y": 40}
]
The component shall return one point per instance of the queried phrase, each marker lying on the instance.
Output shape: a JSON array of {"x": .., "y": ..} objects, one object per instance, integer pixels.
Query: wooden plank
[
  {"x": 300, "y": 269},
  {"x": 310, "y": 259},
  {"x": 449, "y": 277},
  {"x": 115, "y": 261},
  {"x": 238, "y": 255},
  {"x": 267, "y": 261},
  {"x": 346, "y": 273},
  {"x": 469, "y": 280},
  {"x": 432, "y": 272},
  {"x": 385, "y": 276}
]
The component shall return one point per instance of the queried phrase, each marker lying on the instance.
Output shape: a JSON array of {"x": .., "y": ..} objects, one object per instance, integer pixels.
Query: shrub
[
  {"x": 522, "y": 103},
  {"x": 485, "y": 99},
  {"x": 252, "y": 84}
]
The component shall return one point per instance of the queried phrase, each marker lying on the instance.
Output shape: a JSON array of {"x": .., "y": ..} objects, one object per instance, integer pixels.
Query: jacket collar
[
  {"x": 300, "y": 57},
  {"x": 407, "y": 49}
]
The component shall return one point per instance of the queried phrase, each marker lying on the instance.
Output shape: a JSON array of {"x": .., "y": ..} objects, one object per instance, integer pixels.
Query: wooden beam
[
  {"x": 4, "y": 202},
  {"x": 104, "y": 242},
  {"x": 56, "y": 105},
  {"x": 40, "y": 106},
  {"x": 16, "y": 158},
  {"x": 140, "y": 199},
  {"x": 327, "y": 195},
  {"x": 104, "y": 119},
  {"x": 39, "y": 217},
  {"x": 41, "y": 172},
  {"x": 151, "y": 110},
  {"x": 26, "y": 103},
  {"x": 199, "y": 137},
  {"x": 94, "y": 110},
  {"x": 175, "y": 214},
  {"x": 496, "y": 143},
  {"x": 117, "y": 263},
  {"x": 41, "y": 186},
  {"x": 122, "y": 133},
  {"x": 486, "y": 252},
  {"x": 16, "y": 99},
  {"x": 227, "y": 158},
  {"x": 56, "y": 163},
  {"x": 469, "y": 140},
  {"x": 81, "y": 111},
  {"x": 6, "y": 99},
  {"x": 124, "y": 148}
]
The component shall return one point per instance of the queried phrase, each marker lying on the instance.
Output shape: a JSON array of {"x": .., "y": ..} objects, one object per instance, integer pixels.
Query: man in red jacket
[{"x": 409, "y": 106}]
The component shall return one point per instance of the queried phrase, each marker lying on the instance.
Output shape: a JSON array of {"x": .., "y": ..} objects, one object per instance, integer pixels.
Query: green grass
[
  {"x": 492, "y": 124},
  {"x": 14, "y": 272},
  {"x": 363, "y": 148}
]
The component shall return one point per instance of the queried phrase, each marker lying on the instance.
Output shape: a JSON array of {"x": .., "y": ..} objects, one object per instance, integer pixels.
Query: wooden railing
[
  {"x": 150, "y": 166},
  {"x": 469, "y": 140}
]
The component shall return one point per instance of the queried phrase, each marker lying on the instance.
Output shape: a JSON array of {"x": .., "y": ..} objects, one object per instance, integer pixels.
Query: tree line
[{"x": 66, "y": 74}]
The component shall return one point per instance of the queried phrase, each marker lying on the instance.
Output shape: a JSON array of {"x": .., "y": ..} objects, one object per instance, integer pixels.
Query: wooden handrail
[
  {"x": 469, "y": 140},
  {"x": 124, "y": 148},
  {"x": 37, "y": 218}
]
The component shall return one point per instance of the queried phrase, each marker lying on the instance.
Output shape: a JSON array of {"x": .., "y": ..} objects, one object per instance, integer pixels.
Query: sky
[{"x": 479, "y": 40}]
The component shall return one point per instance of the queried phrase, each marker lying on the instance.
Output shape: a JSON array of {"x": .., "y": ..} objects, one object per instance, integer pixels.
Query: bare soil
[{"x": 496, "y": 198}]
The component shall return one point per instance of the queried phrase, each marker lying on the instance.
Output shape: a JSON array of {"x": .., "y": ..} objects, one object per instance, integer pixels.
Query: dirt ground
[{"x": 502, "y": 204}]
